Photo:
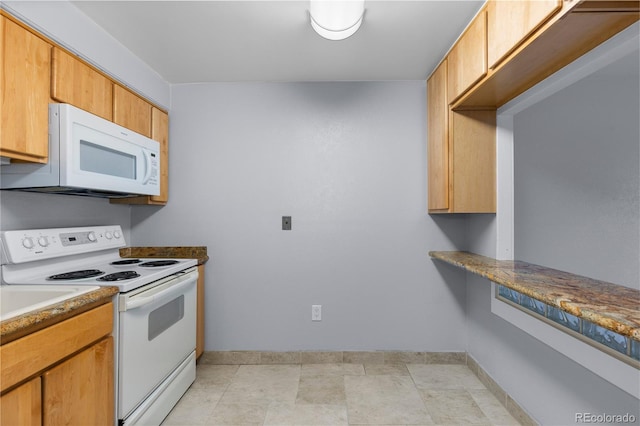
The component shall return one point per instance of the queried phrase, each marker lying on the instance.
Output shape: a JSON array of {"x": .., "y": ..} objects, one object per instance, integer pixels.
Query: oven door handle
[{"x": 173, "y": 286}]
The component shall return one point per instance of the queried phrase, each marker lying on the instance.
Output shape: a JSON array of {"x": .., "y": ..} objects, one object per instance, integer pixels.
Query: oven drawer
[{"x": 157, "y": 332}]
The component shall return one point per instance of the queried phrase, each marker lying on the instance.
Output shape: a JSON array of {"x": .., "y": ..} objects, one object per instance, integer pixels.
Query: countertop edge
[
  {"x": 525, "y": 277},
  {"x": 22, "y": 325},
  {"x": 178, "y": 252}
]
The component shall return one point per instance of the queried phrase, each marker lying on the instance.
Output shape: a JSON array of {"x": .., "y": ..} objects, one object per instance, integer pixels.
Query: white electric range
[{"x": 155, "y": 322}]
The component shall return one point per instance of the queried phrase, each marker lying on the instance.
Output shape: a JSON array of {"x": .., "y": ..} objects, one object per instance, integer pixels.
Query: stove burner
[
  {"x": 76, "y": 275},
  {"x": 120, "y": 276},
  {"x": 158, "y": 263},
  {"x": 126, "y": 262}
]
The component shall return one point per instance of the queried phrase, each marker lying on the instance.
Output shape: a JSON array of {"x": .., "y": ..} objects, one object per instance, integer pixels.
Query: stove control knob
[
  {"x": 43, "y": 241},
  {"x": 92, "y": 236},
  {"x": 27, "y": 243},
  {"x": 108, "y": 235},
  {"x": 117, "y": 234}
]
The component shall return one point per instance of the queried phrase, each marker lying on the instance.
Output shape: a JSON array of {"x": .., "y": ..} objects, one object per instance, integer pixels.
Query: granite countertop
[
  {"x": 195, "y": 252},
  {"x": 16, "y": 327},
  {"x": 608, "y": 305}
]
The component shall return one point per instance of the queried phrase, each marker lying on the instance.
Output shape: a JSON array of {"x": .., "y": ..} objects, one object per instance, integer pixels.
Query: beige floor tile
[
  {"x": 332, "y": 369},
  {"x": 214, "y": 377},
  {"x": 259, "y": 384},
  {"x": 386, "y": 369},
  {"x": 303, "y": 414},
  {"x": 321, "y": 390},
  {"x": 453, "y": 407},
  {"x": 491, "y": 407},
  {"x": 238, "y": 414},
  {"x": 384, "y": 400},
  {"x": 439, "y": 376},
  {"x": 194, "y": 408}
]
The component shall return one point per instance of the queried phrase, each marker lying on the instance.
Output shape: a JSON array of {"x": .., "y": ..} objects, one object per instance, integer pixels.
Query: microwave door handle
[{"x": 147, "y": 166}]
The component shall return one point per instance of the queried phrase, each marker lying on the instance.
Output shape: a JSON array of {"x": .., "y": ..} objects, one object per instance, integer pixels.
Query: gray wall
[
  {"x": 576, "y": 208},
  {"x": 23, "y": 210},
  {"x": 347, "y": 161},
  {"x": 577, "y": 179}
]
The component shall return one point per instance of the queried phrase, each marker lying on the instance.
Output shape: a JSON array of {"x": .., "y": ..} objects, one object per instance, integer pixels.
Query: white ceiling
[{"x": 206, "y": 41}]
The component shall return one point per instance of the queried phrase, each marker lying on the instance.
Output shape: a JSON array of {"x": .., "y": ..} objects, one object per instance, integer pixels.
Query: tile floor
[{"x": 338, "y": 394}]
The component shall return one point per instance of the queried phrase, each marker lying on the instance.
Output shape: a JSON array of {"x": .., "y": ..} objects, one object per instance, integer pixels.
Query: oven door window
[{"x": 165, "y": 316}]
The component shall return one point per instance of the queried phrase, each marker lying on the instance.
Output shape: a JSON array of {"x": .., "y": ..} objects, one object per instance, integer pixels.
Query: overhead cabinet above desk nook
[{"x": 506, "y": 49}]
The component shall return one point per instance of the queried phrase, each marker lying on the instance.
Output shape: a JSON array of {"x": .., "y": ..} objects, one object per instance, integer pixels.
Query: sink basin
[{"x": 19, "y": 299}]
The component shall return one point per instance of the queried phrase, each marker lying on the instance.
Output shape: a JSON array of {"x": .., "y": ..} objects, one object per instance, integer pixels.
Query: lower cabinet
[
  {"x": 200, "y": 313},
  {"x": 23, "y": 405},
  {"x": 63, "y": 374},
  {"x": 80, "y": 390}
]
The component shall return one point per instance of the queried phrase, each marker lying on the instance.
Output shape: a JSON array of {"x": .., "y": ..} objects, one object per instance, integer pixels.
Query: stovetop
[{"x": 79, "y": 256}]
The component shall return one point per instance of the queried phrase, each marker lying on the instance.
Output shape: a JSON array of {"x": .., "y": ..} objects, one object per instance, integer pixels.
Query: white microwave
[{"x": 89, "y": 156}]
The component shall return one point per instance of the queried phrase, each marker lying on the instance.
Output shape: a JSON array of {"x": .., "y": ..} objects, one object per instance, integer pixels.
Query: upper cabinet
[
  {"x": 528, "y": 40},
  {"x": 160, "y": 133},
  {"x": 510, "y": 46},
  {"x": 438, "y": 139},
  {"x": 510, "y": 22},
  {"x": 461, "y": 153},
  {"x": 131, "y": 111},
  {"x": 24, "y": 88},
  {"x": 36, "y": 71},
  {"x": 74, "y": 82},
  {"x": 468, "y": 58}
]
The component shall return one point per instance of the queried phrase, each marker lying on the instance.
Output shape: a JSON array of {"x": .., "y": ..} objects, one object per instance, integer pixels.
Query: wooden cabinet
[
  {"x": 461, "y": 153},
  {"x": 468, "y": 58},
  {"x": 62, "y": 374},
  {"x": 24, "y": 91},
  {"x": 438, "y": 139},
  {"x": 200, "y": 313},
  {"x": 528, "y": 40},
  {"x": 131, "y": 111},
  {"x": 23, "y": 405},
  {"x": 510, "y": 22},
  {"x": 509, "y": 47},
  {"x": 76, "y": 83},
  {"x": 79, "y": 391},
  {"x": 472, "y": 163}
]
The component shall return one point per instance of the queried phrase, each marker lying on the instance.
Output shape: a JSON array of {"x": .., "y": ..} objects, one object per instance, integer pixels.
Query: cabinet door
[
  {"x": 74, "y": 82},
  {"x": 438, "y": 139},
  {"x": 160, "y": 133},
  {"x": 510, "y": 22},
  {"x": 131, "y": 111},
  {"x": 473, "y": 161},
  {"x": 24, "y": 91},
  {"x": 80, "y": 390},
  {"x": 468, "y": 58},
  {"x": 22, "y": 406}
]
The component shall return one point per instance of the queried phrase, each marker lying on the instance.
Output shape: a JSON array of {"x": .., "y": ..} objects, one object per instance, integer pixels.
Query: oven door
[{"x": 157, "y": 333}]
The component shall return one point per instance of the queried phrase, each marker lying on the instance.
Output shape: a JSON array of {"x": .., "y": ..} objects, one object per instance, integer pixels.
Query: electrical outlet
[{"x": 316, "y": 312}]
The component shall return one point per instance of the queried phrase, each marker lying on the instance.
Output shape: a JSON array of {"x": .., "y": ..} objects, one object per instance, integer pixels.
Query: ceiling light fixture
[{"x": 336, "y": 19}]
